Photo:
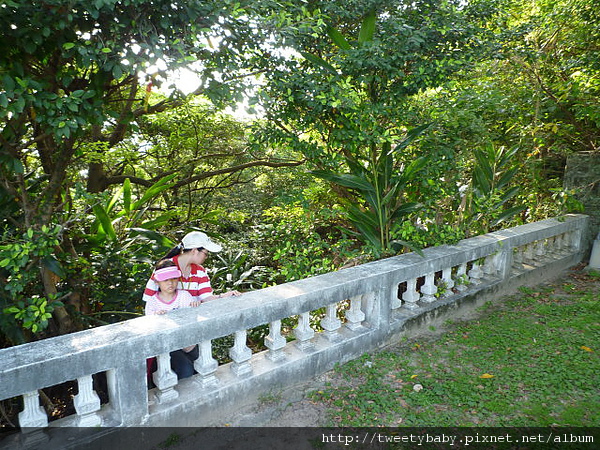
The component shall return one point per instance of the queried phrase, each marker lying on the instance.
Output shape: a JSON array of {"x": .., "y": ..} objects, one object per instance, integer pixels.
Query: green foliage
[
  {"x": 301, "y": 243},
  {"x": 111, "y": 279},
  {"x": 129, "y": 214},
  {"x": 343, "y": 103},
  {"x": 490, "y": 189},
  {"x": 76, "y": 80},
  {"x": 233, "y": 270},
  {"x": 34, "y": 314},
  {"x": 382, "y": 185},
  {"x": 429, "y": 234},
  {"x": 21, "y": 304},
  {"x": 80, "y": 115}
]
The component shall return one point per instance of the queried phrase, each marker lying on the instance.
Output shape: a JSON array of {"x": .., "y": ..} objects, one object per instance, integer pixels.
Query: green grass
[{"x": 531, "y": 360}]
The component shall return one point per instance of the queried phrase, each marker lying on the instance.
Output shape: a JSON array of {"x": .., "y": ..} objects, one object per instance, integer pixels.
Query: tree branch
[{"x": 119, "y": 179}]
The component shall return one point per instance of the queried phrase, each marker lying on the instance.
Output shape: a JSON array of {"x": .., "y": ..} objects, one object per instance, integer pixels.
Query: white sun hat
[{"x": 197, "y": 239}]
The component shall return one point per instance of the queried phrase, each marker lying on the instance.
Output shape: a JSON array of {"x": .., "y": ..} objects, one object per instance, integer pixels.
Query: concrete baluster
[
  {"x": 429, "y": 289},
  {"x": 330, "y": 323},
  {"x": 240, "y": 354},
  {"x": 540, "y": 251},
  {"x": 462, "y": 280},
  {"x": 355, "y": 316},
  {"x": 275, "y": 342},
  {"x": 87, "y": 403},
  {"x": 559, "y": 243},
  {"x": 447, "y": 281},
  {"x": 518, "y": 258},
  {"x": 206, "y": 365},
  {"x": 411, "y": 296},
  {"x": 304, "y": 333},
  {"x": 528, "y": 254},
  {"x": 165, "y": 379},
  {"x": 395, "y": 301},
  {"x": 33, "y": 415},
  {"x": 489, "y": 266},
  {"x": 475, "y": 273},
  {"x": 556, "y": 245}
]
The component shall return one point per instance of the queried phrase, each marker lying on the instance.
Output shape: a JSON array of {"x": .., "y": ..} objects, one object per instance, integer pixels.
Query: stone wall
[{"x": 582, "y": 174}]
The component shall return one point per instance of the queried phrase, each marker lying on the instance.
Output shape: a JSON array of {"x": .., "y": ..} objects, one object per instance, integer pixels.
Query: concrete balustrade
[{"x": 360, "y": 309}]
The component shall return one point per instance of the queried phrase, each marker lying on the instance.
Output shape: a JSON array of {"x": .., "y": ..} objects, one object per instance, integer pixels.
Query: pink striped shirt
[{"x": 197, "y": 283}]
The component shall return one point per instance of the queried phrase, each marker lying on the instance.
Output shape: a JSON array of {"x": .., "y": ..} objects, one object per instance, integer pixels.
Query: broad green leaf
[
  {"x": 152, "y": 235},
  {"x": 511, "y": 212},
  {"x": 367, "y": 231},
  {"x": 481, "y": 181},
  {"x": 105, "y": 221},
  {"x": 414, "y": 168},
  {"x": 411, "y": 135},
  {"x": 127, "y": 195},
  {"x": 484, "y": 163},
  {"x": 405, "y": 209},
  {"x": 397, "y": 245},
  {"x": 367, "y": 29},
  {"x": 346, "y": 180},
  {"x": 506, "y": 177},
  {"x": 154, "y": 190},
  {"x": 506, "y": 196},
  {"x": 338, "y": 38},
  {"x": 53, "y": 265},
  {"x": 113, "y": 201},
  {"x": 319, "y": 62},
  {"x": 163, "y": 219}
]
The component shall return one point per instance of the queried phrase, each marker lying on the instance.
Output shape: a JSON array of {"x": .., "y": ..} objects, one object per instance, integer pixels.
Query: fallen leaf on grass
[
  {"x": 486, "y": 375},
  {"x": 587, "y": 349}
]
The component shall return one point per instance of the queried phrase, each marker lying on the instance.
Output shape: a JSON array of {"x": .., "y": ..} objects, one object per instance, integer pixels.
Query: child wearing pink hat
[{"x": 168, "y": 298}]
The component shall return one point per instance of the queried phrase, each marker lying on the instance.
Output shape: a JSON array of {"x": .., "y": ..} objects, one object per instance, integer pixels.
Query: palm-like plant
[
  {"x": 484, "y": 204},
  {"x": 380, "y": 183}
]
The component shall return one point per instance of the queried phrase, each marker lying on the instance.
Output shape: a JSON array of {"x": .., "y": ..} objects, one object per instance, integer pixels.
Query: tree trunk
[
  {"x": 61, "y": 316},
  {"x": 96, "y": 181}
]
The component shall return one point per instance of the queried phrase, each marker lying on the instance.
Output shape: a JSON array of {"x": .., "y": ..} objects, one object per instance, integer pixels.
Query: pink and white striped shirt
[{"x": 155, "y": 304}]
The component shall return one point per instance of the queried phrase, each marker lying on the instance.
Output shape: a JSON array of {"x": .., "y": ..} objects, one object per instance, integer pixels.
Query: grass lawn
[{"x": 532, "y": 360}]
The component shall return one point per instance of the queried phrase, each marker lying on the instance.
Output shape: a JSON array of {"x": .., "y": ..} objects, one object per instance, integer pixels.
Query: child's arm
[{"x": 186, "y": 299}]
